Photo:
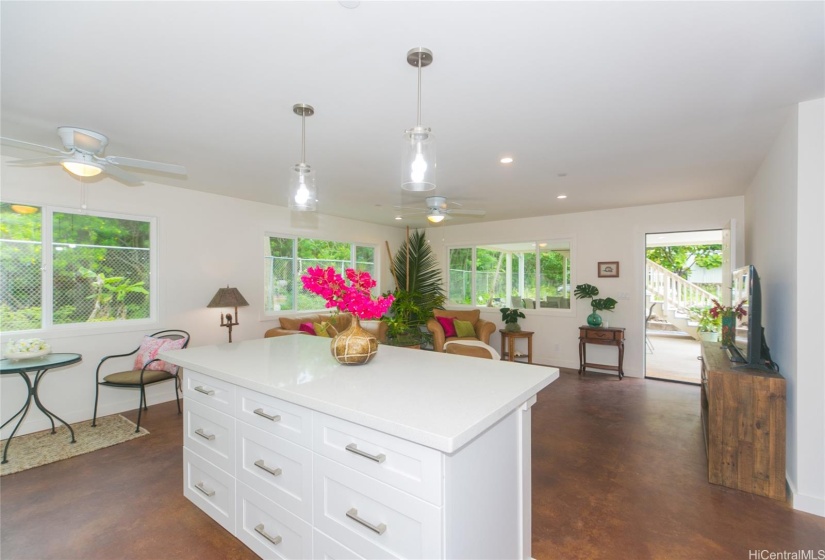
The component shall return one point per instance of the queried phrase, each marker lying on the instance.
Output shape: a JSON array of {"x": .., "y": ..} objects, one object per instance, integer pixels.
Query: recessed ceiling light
[
  {"x": 398, "y": 217},
  {"x": 506, "y": 160},
  {"x": 561, "y": 196}
]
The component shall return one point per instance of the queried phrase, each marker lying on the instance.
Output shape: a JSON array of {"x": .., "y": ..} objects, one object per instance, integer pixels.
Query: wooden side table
[
  {"x": 610, "y": 336},
  {"x": 508, "y": 343}
]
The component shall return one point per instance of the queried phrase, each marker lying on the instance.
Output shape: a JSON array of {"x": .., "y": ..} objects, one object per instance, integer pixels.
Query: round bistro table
[{"x": 40, "y": 366}]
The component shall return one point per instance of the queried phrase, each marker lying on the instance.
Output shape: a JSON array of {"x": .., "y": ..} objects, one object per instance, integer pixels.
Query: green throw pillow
[{"x": 464, "y": 328}]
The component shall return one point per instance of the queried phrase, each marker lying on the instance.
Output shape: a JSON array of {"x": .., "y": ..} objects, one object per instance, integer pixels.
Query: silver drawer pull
[
  {"x": 261, "y": 465},
  {"x": 209, "y": 493},
  {"x": 380, "y": 528},
  {"x": 204, "y": 435},
  {"x": 380, "y": 458},
  {"x": 274, "y": 540},
  {"x": 209, "y": 392},
  {"x": 260, "y": 412}
]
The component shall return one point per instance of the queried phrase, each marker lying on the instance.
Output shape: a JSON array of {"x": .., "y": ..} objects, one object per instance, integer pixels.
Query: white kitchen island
[{"x": 414, "y": 455}]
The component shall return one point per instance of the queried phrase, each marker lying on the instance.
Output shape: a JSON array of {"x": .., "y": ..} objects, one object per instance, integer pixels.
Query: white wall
[
  {"x": 205, "y": 242},
  {"x": 607, "y": 235},
  {"x": 785, "y": 240}
]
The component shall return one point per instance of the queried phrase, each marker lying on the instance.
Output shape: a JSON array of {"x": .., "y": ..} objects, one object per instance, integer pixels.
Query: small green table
[{"x": 40, "y": 366}]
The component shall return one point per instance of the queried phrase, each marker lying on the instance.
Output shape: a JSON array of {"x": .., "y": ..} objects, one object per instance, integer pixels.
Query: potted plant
[
  {"x": 589, "y": 291},
  {"x": 418, "y": 291},
  {"x": 708, "y": 325},
  {"x": 510, "y": 318}
]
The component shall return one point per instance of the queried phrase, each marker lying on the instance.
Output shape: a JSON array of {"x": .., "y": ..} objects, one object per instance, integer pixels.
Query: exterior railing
[{"x": 674, "y": 291}]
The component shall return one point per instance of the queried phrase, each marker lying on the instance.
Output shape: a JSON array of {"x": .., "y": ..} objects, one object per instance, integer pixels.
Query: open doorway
[{"x": 683, "y": 274}]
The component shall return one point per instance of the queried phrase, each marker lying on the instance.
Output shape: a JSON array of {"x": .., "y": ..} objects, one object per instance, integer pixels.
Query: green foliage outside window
[{"x": 100, "y": 268}]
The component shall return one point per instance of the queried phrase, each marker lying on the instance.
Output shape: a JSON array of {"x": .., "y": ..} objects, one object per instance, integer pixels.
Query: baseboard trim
[{"x": 803, "y": 502}]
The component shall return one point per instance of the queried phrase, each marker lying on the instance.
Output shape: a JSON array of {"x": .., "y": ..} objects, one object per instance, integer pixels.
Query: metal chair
[
  {"x": 140, "y": 378},
  {"x": 647, "y": 320}
]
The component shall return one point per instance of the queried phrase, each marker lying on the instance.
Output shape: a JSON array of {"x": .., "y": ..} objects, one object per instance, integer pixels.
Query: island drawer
[
  {"x": 207, "y": 390},
  {"x": 269, "y": 530},
  {"x": 287, "y": 420},
  {"x": 405, "y": 465},
  {"x": 210, "y": 434},
  {"x": 209, "y": 488},
  {"x": 371, "y": 518},
  {"x": 276, "y": 468},
  {"x": 329, "y": 549}
]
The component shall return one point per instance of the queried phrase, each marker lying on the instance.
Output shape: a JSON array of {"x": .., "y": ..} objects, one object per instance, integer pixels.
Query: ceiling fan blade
[
  {"x": 29, "y": 146},
  {"x": 39, "y": 161},
  {"x": 151, "y": 165},
  {"x": 124, "y": 177}
]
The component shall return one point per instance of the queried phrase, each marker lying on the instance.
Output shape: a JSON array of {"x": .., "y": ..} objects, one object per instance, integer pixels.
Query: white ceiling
[{"x": 637, "y": 103}]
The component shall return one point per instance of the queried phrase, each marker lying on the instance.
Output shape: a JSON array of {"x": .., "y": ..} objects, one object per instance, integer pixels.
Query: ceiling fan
[
  {"x": 83, "y": 156},
  {"x": 438, "y": 208}
]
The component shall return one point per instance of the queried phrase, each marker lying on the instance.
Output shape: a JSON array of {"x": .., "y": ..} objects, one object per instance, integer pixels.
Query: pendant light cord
[
  {"x": 303, "y": 139},
  {"x": 419, "y": 90}
]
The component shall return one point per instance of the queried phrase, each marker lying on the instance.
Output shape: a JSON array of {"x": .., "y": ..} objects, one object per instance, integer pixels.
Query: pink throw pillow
[
  {"x": 149, "y": 349},
  {"x": 307, "y": 328},
  {"x": 447, "y": 323}
]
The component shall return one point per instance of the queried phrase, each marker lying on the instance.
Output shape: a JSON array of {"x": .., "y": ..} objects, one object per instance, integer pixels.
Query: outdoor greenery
[
  {"x": 679, "y": 259},
  {"x": 490, "y": 274},
  {"x": 418, "y": 290},
  {"x": 285, "y": 291},
  {"x": 706, "y": 321},
  {"x": 100, "y": 268}
]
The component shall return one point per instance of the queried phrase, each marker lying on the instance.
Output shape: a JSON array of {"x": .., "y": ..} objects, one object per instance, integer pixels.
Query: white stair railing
[{"x": 673, "y": 291}]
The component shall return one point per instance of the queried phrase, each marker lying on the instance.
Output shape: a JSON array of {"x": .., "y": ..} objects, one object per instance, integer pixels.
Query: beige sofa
[
  {"x": 483, "y": 329},
  {"x": 291, "y": 325}
]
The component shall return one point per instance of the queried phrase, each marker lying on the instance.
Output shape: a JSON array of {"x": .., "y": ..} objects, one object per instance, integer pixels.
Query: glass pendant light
[
  {"x": 302, "y": 193},
  {"x": 418, "y": 163}
]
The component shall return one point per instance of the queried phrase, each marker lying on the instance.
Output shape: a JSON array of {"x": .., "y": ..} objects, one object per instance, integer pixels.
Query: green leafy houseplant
[
  {"x": 510, "y": 318},
  {"x": 589, "y": 291},
  {"x": 418, "y": 291}
]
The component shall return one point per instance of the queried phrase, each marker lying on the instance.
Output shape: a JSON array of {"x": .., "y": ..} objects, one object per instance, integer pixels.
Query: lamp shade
[
  {"x": 302, "y": 192},
  {"x": 228, "y": 297},
  {"x": 418, "y": 163}
]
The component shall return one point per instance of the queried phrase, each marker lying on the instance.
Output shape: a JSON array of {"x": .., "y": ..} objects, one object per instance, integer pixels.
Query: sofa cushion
[
  {"x": 448, "y": 326},
  {"x": 464, "y": 328},
  {"x": 324, "y": 328},
  {"x": 470, "y": 315},
  {"x": 307, "y": 328}
]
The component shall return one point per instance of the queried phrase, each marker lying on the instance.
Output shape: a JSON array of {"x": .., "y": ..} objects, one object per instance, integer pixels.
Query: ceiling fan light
[
  {"x": 435, "y": 217},
  {"x": 81, "y": 168}
]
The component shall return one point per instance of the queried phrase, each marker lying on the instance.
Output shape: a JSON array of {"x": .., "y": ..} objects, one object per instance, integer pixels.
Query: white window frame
[
  {"x": 565, "y": 312},
  {"x": 47, "y": 279},
  {"x": 270, "y": 313}
]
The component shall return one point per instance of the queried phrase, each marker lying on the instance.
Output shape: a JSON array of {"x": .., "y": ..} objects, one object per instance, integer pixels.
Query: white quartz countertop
[{"x": 434, "y": 399}]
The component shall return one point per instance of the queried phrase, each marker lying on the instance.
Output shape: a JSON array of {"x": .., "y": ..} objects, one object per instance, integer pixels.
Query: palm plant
[{"x": 419, "y": 288}]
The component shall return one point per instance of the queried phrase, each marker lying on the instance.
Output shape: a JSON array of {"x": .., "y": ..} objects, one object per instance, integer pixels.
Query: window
[
  {"x": 532, "y": 275},
  {"x": 288, "y": 258},
  {"x": 97, "y": 268}
]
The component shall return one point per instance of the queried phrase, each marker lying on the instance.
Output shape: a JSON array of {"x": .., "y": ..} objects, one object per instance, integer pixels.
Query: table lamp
[{"x": 228, "y": 297}]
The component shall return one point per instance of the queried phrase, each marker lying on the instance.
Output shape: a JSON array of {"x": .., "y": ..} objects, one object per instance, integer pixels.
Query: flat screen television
[{"x": 750, "y": 347}]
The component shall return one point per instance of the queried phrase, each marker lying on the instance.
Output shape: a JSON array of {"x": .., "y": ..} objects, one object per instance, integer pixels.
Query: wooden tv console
[{"x": 743, "y": 416}]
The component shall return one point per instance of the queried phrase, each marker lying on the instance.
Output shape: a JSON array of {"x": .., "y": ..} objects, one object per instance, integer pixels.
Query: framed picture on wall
[{"x": 609, "y": 269}]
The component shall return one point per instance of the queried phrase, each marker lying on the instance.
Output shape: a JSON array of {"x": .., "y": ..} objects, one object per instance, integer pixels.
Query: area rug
[{"x": 42, "y": 448}]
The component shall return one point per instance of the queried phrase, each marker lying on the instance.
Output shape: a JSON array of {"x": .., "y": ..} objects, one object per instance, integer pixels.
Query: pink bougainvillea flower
[{"x": 354, "y": 298}]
